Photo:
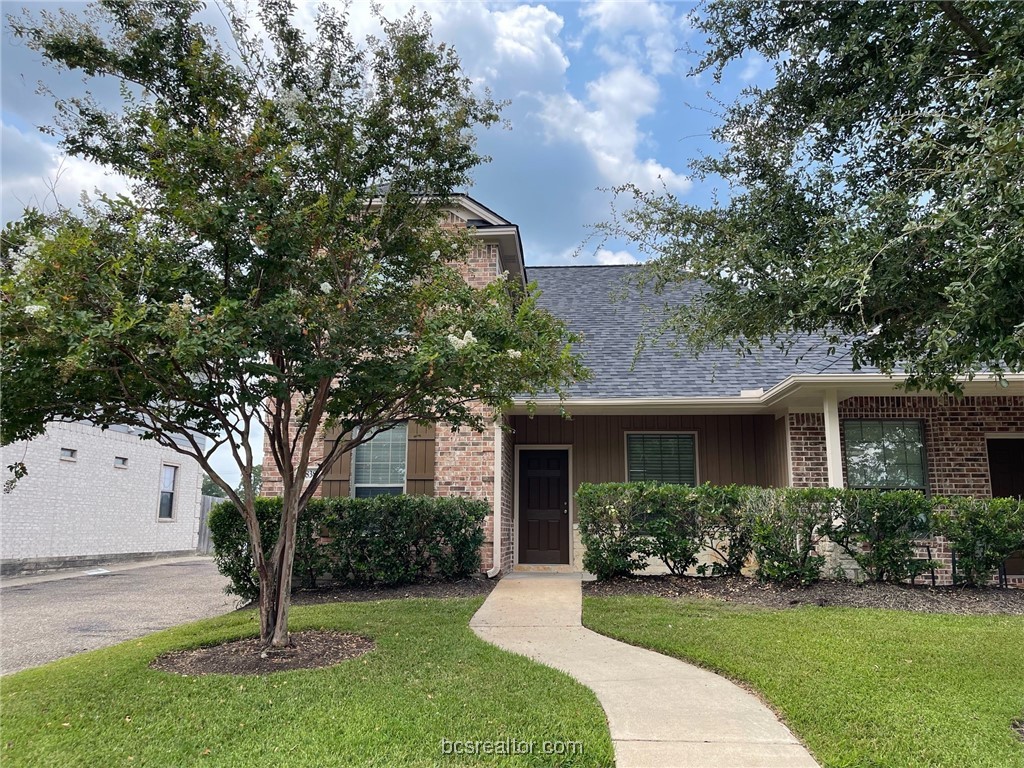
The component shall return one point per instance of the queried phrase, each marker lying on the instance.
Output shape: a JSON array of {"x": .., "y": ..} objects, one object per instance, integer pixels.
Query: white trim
[
  {"x": 499, "y": 461},
  {"x": 692, "y": 432},
  {"x": 174, "y": 492},
  {"x": 851, "y": 384},
  {"x": 515, "y": 506},
  {"x": 833, "y": 439}
]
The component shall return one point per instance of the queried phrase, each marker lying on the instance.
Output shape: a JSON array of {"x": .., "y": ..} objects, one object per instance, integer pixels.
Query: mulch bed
[
  {"x": 431, "y": 588},
  {"x": 746, "y": 591},
  {"x": 311, "y": 649}
]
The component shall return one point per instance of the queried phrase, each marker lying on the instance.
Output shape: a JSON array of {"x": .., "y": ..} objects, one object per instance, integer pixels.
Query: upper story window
[
  {"x": 168, "y": 481},
  {"x": 68, "y": 454},
  {"x": 378, "y": 466},
  {"x": 662, "y": 458},
  {"x": 885, "y": 453},
  {"x": 121, "y": 462}
]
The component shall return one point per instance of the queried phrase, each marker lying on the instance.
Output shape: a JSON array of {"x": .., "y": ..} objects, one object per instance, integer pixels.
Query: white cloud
[
  {"x": 606, "y": 257},
  {"x": 36, "y": 174},
  {"x": 608, "y": 127},
  {"x": 753, "y": 67},
  {"x": 652, "y": 24}
]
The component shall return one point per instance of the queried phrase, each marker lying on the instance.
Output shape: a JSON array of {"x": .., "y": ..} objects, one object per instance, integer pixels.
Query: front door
[
  {"x": 1006, "y": 470},
  {"x": 544, "y": 506}
]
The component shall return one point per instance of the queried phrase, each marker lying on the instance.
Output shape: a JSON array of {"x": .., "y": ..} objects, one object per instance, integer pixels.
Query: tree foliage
[
  {"x": 875, "y": 190},
  {"x": 281, "y": 259}
]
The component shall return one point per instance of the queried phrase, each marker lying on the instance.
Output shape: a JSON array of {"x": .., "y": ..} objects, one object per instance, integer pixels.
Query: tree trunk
[{"x": 284, "y": 566}]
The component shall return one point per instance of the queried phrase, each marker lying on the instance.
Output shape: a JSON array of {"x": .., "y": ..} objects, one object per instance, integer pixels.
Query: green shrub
[
  {"x": 230, "y": 539},
  {"x": 674, "y": 525},
  {"x": 877, "y": 529},
  {"x": 622, "y": 525},
  {"x": 982, "y": 532},
  {"x": 311, "y": 558},
  {"x": 458, "y": 534},
  {"x": 725, "y": 527},
  {"x": 612, "y": 518},
  {"x": 382, "y": 540},
  {"x": 786, "y": 526}
]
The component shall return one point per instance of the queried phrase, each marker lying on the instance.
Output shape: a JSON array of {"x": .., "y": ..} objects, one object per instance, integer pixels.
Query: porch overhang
[{"x": 797, "y": 393}]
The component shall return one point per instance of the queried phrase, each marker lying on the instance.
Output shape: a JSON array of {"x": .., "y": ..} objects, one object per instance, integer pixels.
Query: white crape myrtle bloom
[
  {"x": 34, "y": 309},
  {"x": 188, "y": 302},
  {"x": 326, "y": 287},
  {"x": 515, "y": 354},
  {"x": 435, "y": 254},
  {"x": 460, "y": 342}
]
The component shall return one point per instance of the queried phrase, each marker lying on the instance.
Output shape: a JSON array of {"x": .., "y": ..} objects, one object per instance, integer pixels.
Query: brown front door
[
  {"x": 1006, "y": 470},
  {"x": 544, "y": 507}
]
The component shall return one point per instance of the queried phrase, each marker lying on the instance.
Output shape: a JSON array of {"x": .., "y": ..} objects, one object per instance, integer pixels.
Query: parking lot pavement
[{"x": 43, "y": 618}]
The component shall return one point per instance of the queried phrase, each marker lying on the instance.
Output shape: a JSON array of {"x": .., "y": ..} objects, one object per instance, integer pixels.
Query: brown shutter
[
  {"x": 419, "y": 480},
  {"x": 336, "y": 479}
]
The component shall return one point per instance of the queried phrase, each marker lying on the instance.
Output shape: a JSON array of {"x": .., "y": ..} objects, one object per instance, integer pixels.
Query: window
[
  {"x": 68, "y": 454},
  {"x": 662, "y": 458},
  {"x": 121, "y": 462},
  {"x": 884, "y": 454},
  {"x": 168, "y": 478},
  {"x": 378, "y": 466}
]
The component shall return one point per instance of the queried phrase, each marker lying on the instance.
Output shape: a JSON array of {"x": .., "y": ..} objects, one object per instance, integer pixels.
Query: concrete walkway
[{"x": 662, "y": 712}]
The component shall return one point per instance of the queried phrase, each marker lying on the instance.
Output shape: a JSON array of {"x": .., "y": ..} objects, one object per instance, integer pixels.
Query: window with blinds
[
  {"x": 378, "y": 466},
  {"x": 662, "y": 458}
]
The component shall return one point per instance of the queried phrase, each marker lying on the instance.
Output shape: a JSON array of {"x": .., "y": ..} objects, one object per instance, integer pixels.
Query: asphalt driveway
[{"x": 45, "y": 618}]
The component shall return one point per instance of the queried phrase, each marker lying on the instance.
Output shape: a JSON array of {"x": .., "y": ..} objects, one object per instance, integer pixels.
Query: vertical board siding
[
  {"x": 419, "y": 477},
  {"x": 741, "y": 449}
]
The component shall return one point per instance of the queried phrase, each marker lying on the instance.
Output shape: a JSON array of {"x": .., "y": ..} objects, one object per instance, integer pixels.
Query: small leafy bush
[
  {"x": 674, "y": 527},
  {"x": 725, "y": 527},
  {"x": 612, "y": 519},
  {"x": 983, "y": 532},
  {"x": 878, "y": 529},
  {"x": 458, "y": 535},
  {"x": 230, "y": 539},
  {"x": 384, "y": 540},
  {"x": 786, "y": 526}
]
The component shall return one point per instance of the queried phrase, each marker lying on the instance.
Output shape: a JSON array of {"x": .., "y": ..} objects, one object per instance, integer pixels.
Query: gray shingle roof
[{"x": 597, "y": 302}]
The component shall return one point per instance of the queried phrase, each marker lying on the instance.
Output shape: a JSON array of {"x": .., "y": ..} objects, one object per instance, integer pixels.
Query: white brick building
[{"x": 94, "y": 495}]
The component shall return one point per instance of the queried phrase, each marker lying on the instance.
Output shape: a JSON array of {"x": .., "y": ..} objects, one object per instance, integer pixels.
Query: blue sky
[{"x": 599, "y": 96}]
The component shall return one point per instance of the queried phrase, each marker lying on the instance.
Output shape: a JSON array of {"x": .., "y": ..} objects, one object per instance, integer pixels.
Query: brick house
[
  {"x": 96, "y": 495},
  {"x": 803, "y": 419}
]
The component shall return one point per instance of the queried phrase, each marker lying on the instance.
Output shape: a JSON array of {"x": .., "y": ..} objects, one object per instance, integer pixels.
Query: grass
[
  {"x": 429, "y": 678},
  {"x": 860, "y": 687}
]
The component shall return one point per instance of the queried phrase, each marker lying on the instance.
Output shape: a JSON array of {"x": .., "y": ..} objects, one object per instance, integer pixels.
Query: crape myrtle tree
[
  {"x": 280, "y": 261},
  {"x": 874, "y": 193}
]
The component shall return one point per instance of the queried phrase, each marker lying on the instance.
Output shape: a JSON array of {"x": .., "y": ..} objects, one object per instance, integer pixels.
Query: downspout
[{"x": 496, "y": 537}]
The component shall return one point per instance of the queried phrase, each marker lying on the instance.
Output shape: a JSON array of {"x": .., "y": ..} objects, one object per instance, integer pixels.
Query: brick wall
[
  {"x": 807, "y": 459},
  {"x": 954, "y": 434},
  {"x": 90, "y": 507},
  {"x": 955, "y": 445},
  {"x": 272, "y": 484}
]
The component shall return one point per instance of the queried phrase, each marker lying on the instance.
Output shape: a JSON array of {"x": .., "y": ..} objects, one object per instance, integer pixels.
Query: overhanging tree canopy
[
  {"x": 875, "y": 191},
  {"x": 280, "y": 261}
]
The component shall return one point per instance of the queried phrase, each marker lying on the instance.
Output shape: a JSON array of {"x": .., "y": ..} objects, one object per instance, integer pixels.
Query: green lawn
[
  {"x": 860, "y": 687},
  {"x": 429, "y": 678}
]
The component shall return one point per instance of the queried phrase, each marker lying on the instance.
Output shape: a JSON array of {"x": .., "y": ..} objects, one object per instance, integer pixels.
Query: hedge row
[
  {"x": 382, "y": 540},
  {"x": 622, "y": 525}
]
